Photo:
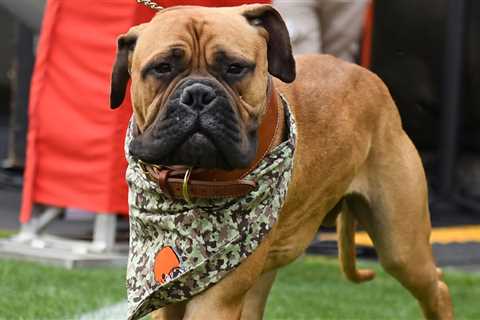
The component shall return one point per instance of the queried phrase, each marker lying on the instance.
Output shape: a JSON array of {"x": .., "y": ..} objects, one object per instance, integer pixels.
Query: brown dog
[{"x": 352, "y": 157}]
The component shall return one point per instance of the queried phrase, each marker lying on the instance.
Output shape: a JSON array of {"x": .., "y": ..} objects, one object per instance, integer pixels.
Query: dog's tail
[{"x": 346, "y": 247}]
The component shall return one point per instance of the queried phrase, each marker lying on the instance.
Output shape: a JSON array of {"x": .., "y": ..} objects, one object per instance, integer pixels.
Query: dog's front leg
[
  {"x": 256, "y": 298},
  {"x": 225, "y": 299},
  {"x": 171, "y": 312}
]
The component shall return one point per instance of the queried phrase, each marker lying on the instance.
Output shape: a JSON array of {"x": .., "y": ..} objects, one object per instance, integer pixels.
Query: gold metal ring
[{"x": 185, "y": 193}]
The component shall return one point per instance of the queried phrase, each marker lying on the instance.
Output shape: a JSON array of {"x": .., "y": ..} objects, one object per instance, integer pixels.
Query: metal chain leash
[{"x": 150, "y": 4}]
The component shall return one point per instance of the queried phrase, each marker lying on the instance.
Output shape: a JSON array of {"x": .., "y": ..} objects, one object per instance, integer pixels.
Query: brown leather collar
[{"x": 181, "y": 182}]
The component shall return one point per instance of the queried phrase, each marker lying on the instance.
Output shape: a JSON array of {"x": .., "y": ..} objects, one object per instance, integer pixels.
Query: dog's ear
[
  {"x": 121, "y": 66},
  {"x": 281, "y": 63}
]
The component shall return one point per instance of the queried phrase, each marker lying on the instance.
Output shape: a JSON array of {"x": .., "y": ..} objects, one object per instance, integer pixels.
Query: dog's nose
[{"x": 197, "y": 96}]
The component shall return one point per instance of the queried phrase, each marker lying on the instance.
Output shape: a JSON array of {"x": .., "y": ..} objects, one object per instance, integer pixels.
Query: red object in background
[
  {"x": 75, "y": 142},
  {"x": 208, "y": 3},
  {"x": 366, "y": 47}
]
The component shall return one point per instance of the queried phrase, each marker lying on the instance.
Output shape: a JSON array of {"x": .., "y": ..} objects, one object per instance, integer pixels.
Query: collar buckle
[{"x": 185, "y": 192}]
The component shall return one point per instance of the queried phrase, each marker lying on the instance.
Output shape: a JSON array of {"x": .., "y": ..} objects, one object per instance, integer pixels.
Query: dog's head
[{"x": 199, "y": 79}]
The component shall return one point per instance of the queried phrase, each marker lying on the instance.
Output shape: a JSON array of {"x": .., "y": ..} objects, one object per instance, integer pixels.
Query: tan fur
[{"x": 351, "y": 148}]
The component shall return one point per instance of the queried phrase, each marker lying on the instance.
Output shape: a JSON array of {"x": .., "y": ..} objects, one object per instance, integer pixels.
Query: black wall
[{"x": 409, "y": 54}]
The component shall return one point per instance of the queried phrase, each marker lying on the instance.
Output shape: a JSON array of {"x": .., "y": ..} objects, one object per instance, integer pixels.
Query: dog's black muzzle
[{"x": 198, "y": 127}]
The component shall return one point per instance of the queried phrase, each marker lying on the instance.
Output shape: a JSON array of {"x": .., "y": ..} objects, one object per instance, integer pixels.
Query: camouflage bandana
[{"x": 178, "y": 250}]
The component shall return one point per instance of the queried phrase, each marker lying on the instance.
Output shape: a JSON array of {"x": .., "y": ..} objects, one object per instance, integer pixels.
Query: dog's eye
[
  {"x": 235, "y": 69},
  {"x": 162, "y": 68}
]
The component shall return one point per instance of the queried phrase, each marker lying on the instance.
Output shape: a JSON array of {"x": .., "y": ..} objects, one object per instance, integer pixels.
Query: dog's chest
[{"x": 179, "y": 249}]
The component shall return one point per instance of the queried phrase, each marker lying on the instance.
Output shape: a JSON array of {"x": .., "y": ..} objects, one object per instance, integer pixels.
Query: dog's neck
[{"x": 281, "y": 134}]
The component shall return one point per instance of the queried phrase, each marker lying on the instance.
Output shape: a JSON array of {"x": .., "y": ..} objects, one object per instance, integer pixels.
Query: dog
[{"x": 353, "y": 161}]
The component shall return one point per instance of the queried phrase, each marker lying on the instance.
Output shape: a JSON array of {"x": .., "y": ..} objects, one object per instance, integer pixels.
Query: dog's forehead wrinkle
[
  {"x": 224, "y": 53},
  {"x": 205, "y": 28},
  {"x": 174, "y": 50}
]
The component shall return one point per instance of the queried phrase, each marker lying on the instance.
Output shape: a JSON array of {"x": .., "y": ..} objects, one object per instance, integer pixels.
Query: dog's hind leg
[
  {"x": 256, "y": 298},
  {"x": 394, "y": 211}
]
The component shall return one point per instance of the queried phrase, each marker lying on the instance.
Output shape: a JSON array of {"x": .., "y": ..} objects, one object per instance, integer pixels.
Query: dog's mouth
[
  {"x": 197, "y": 150},
  {"x": 197, "y": 127}
]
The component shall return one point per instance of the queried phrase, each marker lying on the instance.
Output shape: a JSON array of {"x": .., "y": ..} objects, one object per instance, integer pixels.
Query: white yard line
[{"x": 116, "y": 311}]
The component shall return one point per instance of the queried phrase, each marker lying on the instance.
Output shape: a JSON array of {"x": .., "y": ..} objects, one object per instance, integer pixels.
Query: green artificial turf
[
  {"x": 34, "y": 291},
  {"x": 311, "y": 288},
  {"x": 6, "y": 233},
  {"x": 314, "y": 288}
]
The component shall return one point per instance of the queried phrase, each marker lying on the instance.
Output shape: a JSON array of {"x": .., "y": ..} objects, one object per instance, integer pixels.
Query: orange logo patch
[{"x": 166, "y": 263}]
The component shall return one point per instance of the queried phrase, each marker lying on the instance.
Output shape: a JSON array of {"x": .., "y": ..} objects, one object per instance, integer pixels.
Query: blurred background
[{"x": 426, "y": 51}]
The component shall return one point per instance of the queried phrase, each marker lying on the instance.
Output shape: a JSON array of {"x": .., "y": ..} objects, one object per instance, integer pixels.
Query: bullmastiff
[{"x": 353, "y": 162}]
